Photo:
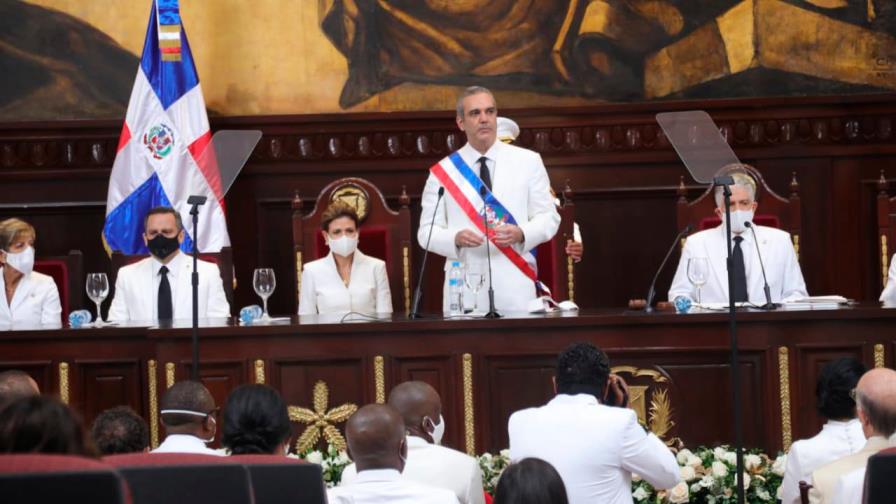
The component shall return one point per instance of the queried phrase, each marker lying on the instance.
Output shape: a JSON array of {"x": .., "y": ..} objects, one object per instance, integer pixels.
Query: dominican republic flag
[{"x": 159, "y": 157}]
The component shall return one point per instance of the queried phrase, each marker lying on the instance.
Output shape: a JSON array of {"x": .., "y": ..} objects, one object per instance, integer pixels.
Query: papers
[{"x": 815, "y": 303}]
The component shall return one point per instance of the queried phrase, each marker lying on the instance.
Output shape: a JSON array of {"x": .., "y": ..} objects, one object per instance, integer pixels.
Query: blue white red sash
[{"x": 464, "y": 186}]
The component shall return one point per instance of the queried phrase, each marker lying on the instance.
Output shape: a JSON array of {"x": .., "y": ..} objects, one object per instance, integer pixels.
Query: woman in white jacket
[
  {"x": 28, "y": 298},
  {"x": 345, "y": 280}
]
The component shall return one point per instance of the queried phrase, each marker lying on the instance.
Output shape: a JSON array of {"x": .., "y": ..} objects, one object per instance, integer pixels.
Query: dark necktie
[
  {"x": 164, "y": 301},
  {"x": 484, "y": 174},
  {"x": 740, "y": 272}
]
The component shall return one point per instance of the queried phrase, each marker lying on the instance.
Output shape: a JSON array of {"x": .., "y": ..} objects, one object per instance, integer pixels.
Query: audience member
[
  {"x": 119, "y": 430},
  {"x": 530, "y": 481},
  {"x": 188, "y": 414},
  {"x": 594, "y": 445},
  {"x": 15, "y": 384},
  {"x": 841, "y": 435},
  {"x": 41, "y": 424},
  {"x": 255, "y": 422},
  {"x": 376, "y": 442},
  {"x": 421, "y": 408}
]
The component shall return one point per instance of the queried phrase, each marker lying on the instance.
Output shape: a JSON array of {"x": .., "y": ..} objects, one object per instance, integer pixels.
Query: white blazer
[
  {"x": 323, "y": 290},
  {"x": 521, "y": 183},
  {"x": 137, "y": 290},
  {"x": 836, "y": 439},
  {"x": 35, "y": 302},
  {"x": 785, "y": 279},
  {"x": 888, "y": 295}
]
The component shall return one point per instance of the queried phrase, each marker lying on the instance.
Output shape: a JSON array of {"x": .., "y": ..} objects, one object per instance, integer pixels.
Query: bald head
[
  {"x": 419, "y": 406},
  {"x": 876, "y": 401},
  {"x": 15, "y": 384},
  {"x": 376, "y": 438}
]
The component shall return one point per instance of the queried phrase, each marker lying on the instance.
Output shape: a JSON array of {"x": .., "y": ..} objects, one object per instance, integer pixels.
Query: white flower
[
  {"x": 684, "y": 455},
  {"x": 780, "y": 465},
  {"x": 640, "y": 494},
  {"x": 342, "y": 458},
  {"x": 752, "y": 461},
  {"x": 694, "y": 461},
  {"x": 315, "y": 457},
  {"x": 719, "y": 469},
  {"x": 730, "y": 457},
  {"x": 719, "y": 452},
  {"x": 746, "y": 480},
  {"x": 505, "y": 453},
  {"x": 687, "y": 473},
  {"x": 763, "y": 494},
  {"x": 636, "y": 477},
  {"x": 779, "y": 492},
  {"x": 707, "y": 481},
  {"x": 679, "y": 493}
]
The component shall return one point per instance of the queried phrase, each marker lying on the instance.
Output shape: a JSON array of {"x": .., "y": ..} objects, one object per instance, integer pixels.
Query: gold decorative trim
[
  {"x": 379, "y": 379},
  {"x": 321, "y": 420},
  {"x": 661, "y": 413},
  {"x": 557, "y": 50},
  {"x": 884, "y": 259},
  {"x": 784, "y": 386},
  {"x": 879, "y": 355},
  {"x": 570, "y": 279},
  {"x": 298, "y": 277},
  {"x": 796, "y": 246},
  {"x": 259, "y": 371},
  {"x": 63, "y": 382},
  {"x": 406, "y": 277},
  {"x": 635, "y": 371},
  {"x": 152, "y": 376},
  {"x": 169, "y": 375},
  {"x": 469, "y": 417}
]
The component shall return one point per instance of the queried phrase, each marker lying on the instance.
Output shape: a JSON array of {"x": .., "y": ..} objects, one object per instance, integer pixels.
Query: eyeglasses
[{"x": 852, "y": 394}]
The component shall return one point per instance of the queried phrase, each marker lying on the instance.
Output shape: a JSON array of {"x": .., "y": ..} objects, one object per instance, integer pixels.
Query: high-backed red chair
[
  {"x": 30, "y": 478},
  {"x": 774, "y": 210},
  {"x": 385, "y": 233},
  {"x": 141, "y": 459},
  {"x": 224, "y": 260},
  {"x": 68, "y": 273},
  {"x": 886, "y": 227},
  {"x": 555, "y": 269}
]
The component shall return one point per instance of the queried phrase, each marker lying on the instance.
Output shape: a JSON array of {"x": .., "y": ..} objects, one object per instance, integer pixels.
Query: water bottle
[
  {"x": 249, "y": 314},
  {"x": 78, "y": 318},
  {"x": 455, "y": 289}
]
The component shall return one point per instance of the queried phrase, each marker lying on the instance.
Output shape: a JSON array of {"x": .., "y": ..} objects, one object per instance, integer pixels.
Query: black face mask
[{"x": 162, "y": 246}]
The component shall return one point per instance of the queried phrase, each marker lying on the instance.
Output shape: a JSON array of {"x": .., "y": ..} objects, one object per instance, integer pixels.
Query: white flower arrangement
[{"x": 331, "y": 461}]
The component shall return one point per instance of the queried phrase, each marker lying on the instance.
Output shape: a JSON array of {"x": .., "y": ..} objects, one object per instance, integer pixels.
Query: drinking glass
[
  {"x": 97, "y": 290},
  {"x": 698, "y": 273},
  {"x": 264, "y": 283},
  {"x": 474, "y": 277}
]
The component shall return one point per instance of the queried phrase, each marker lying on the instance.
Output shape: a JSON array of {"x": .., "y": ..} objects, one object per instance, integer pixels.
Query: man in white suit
[
  {"x": 518, "y": 179},
  {"x": 782, "y": 268},
  {"x": 159, "y": 287}
]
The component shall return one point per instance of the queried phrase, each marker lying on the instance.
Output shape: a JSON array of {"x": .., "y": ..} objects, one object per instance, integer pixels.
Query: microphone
[
  {"x": 768, "y": 296},
  {"x": 418, "y": 291},
  {"x": 651, "y": 293},
  {"x": 492, "y": 313}
]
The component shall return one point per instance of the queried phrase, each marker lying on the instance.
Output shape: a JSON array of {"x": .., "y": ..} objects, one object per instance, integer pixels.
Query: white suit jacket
[
  {"x": 850, "y": 488},
  {"x": 35, "y": 302},
  {"x": 136, "y": 290},
  {"x": 824, "y": 479},
  {"x": 836, "y": 440},
  {"x": 323, "y": 290},
  {"x": 437, "y": 466},
  {"x": 520, "y": 182},
  {"x": 594, "y": 447},
  {"x": 785, "y": 279},
  {"x": 386, "y": 485},
  {"x": 182, "y": 443},
  {"x": 889, "y": 293}
]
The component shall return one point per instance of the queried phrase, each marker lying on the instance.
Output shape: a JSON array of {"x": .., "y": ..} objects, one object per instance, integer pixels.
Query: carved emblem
[
  {"x": 649, "y": 398},
  {"x": 321, "y": 420},
  {"x": 354, "y": 196}
]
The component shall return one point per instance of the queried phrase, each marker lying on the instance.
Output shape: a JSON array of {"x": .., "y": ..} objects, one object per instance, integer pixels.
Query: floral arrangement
[
  {"x": 492, "y": 466},
  {"x": 332, "y": 462}
]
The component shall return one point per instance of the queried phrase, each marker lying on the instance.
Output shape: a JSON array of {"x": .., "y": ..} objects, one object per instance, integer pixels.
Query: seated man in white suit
[
  {"x": 159, "y": 287},
  {"x": 782, "y": 268}
]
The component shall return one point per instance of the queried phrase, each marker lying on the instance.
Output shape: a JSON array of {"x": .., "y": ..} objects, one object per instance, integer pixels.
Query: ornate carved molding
[
  {"x": 259, "y": 371},
  {"x": 151, "y": 371},
  {"x": 784, "y": 389},
  {"x": 379, "y": 379},
  {"x": 879, "y": 356},
  {"x": 469, "y": 416},
  {"x": 64, "y": 392},
  {"x": 169, "y": 374}
]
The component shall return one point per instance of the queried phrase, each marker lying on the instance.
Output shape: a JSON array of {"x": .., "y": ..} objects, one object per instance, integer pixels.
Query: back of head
[
  {"x": 41, "y": 424},
  {"x": 530, "y": 481},
  {"x": 255, "y": 421},
  {"x": 582, "y": 369},
  {"x": 119, "y": 430},
  {"x": 415, "y": 401},
  {"x": 876, "y": 397},
  {"x": 835, "y": 383},
  {"x": 376, "y": 437},
  {"x": 184, "y": 405},
  {"x": 15, "y": 384}
]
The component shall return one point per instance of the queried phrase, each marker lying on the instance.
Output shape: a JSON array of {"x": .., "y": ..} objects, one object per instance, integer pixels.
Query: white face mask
[
  {"x": 738, "y": 218},
  {"x": 194, "y": 413},
  {"x": 438, "y": 430},
  {"x": 344, "y": 245},
  {"x": 21, "y": 261}
]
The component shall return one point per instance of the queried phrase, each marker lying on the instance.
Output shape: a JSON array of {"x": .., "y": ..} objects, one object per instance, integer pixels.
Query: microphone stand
[
  {"x": 768, "y": 294},
  {"x": 492, "y": 313},
  {"x": 195, "y": 202},
  {"x": 651, "y": 293},
  {"x": 415, "y": 314}
]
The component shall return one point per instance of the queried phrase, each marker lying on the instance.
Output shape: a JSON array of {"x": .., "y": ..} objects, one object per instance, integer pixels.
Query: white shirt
[
  {"x": 836, "y": 440},
  {"x": 594, "y": 447},
  {"x": 387, "y": 485},
  {"x": 888, "y": 295},
  {"x": 850, "y": 487},
  {"x": 437, "y": 466},
  {"x": 785, "y": 279},
  {"x": 520, "y": 182},
  {"x": 825, "y": 478},
  {"x": 35, "y": 302},
  {"x": 323, "y": 290},
  {"x": 183, "y": 443}
]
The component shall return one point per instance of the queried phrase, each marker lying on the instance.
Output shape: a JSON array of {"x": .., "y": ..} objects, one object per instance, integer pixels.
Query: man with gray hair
[{"x": 709, "y": 249}]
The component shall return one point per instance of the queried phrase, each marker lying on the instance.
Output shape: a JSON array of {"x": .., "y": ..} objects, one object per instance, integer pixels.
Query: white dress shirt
[
  {"x": 35, "y": 302},
  {"x": 825, "y": 478},
  {"x": 137, "y": 290},
  {"x": 888, "y": 296},
  {"x": 183, "y": 443},
  {"x": 323, "y": 290},
  {"x": 785, "y": 279},
  {"x": 387, "y": 485},
  {"x": 594, "y": 447},
  {"x": 520, "y": 182},
  {"x": 836, "y": 439},
  {"x": 437, "y": 466}
]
